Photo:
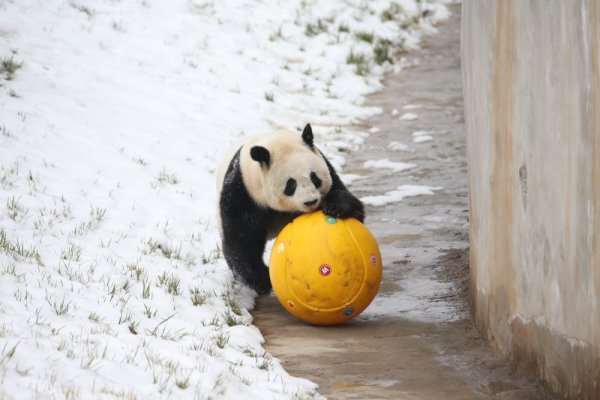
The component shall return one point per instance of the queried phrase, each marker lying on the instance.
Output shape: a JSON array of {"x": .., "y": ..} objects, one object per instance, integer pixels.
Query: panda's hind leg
[{"x": 244, "y": 254}]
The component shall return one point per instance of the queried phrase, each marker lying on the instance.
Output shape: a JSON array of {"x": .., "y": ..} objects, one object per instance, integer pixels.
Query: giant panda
[{"x": 262, "y": 185}]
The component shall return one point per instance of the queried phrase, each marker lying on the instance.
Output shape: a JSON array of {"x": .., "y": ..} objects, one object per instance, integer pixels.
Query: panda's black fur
[{"x": 246, "y": 225}]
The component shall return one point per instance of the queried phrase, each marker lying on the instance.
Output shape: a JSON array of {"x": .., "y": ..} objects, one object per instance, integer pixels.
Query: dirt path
[{"x": 416, "y": 340}]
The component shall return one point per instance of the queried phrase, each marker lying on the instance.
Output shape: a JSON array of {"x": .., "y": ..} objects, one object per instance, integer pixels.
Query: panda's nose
[{"x": 310, "y": 203}]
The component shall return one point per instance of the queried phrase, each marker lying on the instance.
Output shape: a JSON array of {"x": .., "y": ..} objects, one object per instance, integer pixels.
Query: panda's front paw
[{"x": 342, "y": 204}]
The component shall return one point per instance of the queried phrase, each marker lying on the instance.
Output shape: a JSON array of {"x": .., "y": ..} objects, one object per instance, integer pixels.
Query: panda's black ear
[
  {"x": 307, "y": 135},
  {"x": 260, "y": 154}
]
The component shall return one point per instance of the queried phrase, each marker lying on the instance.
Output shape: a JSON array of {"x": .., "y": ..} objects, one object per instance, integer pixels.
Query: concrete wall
[{"x": 531, "y": 73}]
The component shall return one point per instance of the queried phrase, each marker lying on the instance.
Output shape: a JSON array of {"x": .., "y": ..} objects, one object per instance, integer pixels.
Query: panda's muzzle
[{"x": 310, "y": 203}]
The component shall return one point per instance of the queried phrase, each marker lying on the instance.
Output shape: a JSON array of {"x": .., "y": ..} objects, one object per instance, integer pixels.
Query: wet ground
[{"x": 416, "y": 340}]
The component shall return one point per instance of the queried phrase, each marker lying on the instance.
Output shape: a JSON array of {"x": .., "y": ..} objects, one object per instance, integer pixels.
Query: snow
[
  {"x": 422, "y": 139},
  {"x": 422, "y": 136},
  {"x": 400, "y": 193},
  {"x": 411, "y": 107},
  {"x": 349, "y": 178},
  {"x": 409, "y": 117},
  {"x": 397, "y": 146},
  {"x": 385, "y": 163},
  {"x": 113, "y": 117}
]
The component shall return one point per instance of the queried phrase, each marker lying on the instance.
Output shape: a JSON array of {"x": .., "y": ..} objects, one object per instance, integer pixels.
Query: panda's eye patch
[
  {"x": 290, "y": 187},
  {"x": 315, "y": 180}
]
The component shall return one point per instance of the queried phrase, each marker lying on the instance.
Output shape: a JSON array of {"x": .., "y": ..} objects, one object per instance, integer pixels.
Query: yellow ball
[{"x": 325, "y": 270}]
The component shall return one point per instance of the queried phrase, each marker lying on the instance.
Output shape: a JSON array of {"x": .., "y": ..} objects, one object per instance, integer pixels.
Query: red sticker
[{"x": 325, "y": 270}]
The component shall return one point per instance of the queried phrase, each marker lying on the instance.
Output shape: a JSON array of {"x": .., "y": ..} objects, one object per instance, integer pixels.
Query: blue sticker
[
  {"x": 349, "y": 311},
  {"x": 331, "y": 220}
]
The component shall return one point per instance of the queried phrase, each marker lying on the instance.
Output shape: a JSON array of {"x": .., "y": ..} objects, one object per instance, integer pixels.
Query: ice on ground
[
  {"x": 399, "y": 194},
  {"x": 387, "y": 164},
  {"x": 413, "y": 301}
]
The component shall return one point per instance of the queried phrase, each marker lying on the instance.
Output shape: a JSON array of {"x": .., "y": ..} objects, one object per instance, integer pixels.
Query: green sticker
[{"x": 331, "y": 220}]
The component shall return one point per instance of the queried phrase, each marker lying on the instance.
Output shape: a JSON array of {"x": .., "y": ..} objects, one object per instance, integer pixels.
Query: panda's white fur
[{"x": 254, "y": 206}]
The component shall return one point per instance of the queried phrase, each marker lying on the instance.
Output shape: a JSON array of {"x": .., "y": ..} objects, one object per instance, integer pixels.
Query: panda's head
[{"x": 285, "y": 171}]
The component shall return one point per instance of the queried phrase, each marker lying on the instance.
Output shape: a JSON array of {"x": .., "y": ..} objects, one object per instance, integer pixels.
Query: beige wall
[{"x": 531, "y": 74}]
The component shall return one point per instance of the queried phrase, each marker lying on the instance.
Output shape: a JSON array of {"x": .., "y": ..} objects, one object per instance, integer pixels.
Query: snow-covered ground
[{"x": 113, "y": 117}]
